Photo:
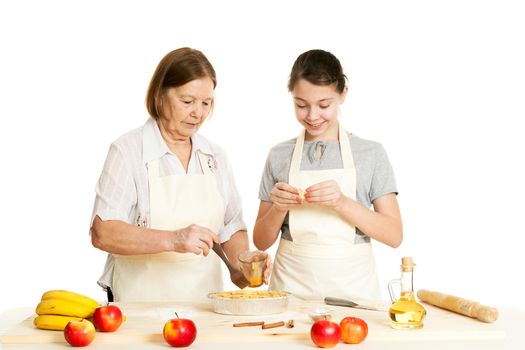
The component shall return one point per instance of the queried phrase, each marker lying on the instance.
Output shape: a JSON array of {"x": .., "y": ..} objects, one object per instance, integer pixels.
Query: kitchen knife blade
[{"x": 349, "y": 303}]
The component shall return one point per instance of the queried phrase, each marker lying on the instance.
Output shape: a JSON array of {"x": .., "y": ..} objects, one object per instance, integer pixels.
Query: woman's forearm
[
  {"x": 118, "y": 237},
  {"x": 384, "y": 226},
  {"x": 237, "y": 244}
]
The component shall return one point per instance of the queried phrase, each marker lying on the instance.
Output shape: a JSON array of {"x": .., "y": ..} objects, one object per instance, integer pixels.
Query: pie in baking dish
[{"x": 249, "y": 294}]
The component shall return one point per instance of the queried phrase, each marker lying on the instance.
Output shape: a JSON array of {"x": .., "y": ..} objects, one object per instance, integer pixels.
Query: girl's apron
[
  {"x": 176, "y": 201},
  {"x": 323, "y": 260}
]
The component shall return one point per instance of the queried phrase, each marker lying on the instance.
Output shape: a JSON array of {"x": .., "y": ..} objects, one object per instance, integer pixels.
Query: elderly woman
[{"x": 166, "y": 194}]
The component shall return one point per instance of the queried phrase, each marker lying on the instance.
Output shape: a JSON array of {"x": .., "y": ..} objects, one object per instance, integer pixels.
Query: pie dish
[{"x": 249, "y": 302}]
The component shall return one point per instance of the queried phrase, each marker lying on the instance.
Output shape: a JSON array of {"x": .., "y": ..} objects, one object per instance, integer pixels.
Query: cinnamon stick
[
  {"x": 272, "y": 325},
  {"x": 248, "y": 324}
]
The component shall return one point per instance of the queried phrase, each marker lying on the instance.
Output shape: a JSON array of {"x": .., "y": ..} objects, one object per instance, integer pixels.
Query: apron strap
[
  {"x": 346, "y": 151},
  {"x": 297, "y": 156}
]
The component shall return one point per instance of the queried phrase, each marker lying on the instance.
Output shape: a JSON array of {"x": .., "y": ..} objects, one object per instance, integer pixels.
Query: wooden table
[{"x": 143, "y": 329}]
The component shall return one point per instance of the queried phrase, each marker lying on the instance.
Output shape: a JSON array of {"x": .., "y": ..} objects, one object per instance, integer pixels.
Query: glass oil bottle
[{"x": 405, "y": 312}]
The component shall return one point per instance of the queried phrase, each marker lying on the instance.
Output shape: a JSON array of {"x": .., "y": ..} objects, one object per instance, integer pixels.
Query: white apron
[
  {"x": 323, "y": 260},
  {"x": 176, "y": 201}
]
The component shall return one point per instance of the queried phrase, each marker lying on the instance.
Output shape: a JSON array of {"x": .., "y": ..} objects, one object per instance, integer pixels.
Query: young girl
[{"x": 317, "y": 190}]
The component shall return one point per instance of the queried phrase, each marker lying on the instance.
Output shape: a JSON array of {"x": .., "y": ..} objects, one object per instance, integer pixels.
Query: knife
[{"x": 349, "y": 303}]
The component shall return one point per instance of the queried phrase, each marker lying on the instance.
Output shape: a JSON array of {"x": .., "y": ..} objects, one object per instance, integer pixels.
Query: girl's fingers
[
  {"x": 321, "y": 196},
  {"x": 286, "y": 187},
  {"x": 285, "y": 197}
]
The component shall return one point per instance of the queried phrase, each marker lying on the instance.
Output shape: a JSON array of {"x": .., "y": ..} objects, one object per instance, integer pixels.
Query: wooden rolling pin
[{"x": 461, "y": 306}]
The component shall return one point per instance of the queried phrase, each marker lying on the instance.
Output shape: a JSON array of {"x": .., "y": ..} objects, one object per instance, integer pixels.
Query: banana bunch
[{"x": 58, "y": 307}]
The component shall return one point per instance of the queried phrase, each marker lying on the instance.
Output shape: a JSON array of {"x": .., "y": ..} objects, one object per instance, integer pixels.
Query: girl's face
[
  {"x": 317, "y": 108},
  {"x": 185, "y": 108}
]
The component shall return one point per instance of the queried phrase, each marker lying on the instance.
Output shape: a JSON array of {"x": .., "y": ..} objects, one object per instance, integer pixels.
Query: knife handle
[
  {"x": 339, "y": 302},
  {"x": 459, "y": 305},
  {"x": 220, "y": 252}
]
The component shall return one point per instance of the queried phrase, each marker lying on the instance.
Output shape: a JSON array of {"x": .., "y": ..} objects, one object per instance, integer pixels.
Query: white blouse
[{"x": 122, "y": 189}]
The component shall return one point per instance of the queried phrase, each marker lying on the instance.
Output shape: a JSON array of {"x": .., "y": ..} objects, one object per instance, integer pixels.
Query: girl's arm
[
  {"x": 267, "y": 225},
  {"x": 271, "y": 214},
  {"x": 382, "y": 224}
]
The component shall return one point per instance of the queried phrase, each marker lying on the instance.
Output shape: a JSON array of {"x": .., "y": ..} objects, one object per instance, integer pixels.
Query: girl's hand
[
  {"x": 325, "y": 193},
  {"x": 285, "y": 196}
]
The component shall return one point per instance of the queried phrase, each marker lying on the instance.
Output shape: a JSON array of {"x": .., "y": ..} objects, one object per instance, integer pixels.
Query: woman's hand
[
  {"x": 268, "y": 270},
  {"x": 248, "y": 258},
  {"x": 327, "y": 193},
  {"x": 194, "y": 239},
  {"x": 285, "y": 196}
]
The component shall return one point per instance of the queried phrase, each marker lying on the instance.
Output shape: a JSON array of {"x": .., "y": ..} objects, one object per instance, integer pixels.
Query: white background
[{"x": 441, "y": 84}]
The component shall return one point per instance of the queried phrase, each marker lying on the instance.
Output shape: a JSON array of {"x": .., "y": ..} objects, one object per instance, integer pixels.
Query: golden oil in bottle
[{"x": 406, "y": 312}]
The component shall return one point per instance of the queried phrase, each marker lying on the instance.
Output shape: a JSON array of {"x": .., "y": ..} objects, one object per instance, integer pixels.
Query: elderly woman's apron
[
  {"x": 323, "y": 258},
  {"x": 176, "y": 201}
]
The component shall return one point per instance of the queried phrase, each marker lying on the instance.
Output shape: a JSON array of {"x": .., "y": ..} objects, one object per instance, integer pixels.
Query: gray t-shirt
[{"x": 375, "y": 177}]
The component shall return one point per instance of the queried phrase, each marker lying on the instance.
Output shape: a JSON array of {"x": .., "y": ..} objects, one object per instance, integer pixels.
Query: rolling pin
[{"x": 461, "y": 306}]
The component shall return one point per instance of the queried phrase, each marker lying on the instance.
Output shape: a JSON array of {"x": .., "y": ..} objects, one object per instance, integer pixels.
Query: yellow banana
[
  {"x": 64, "y": 308},
  {"x": 53, "y": 322},
  {"x": 71, "y": 296}
]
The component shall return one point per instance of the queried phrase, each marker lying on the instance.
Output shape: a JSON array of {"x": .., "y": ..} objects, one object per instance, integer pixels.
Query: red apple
[
  {"x": 353, "y": 330},
  {"x": 179, "y": 332},
  {"x": 325, "y": 334},
  {"x": 79, "y": 332},
  {"x": 107, "y": 318}
]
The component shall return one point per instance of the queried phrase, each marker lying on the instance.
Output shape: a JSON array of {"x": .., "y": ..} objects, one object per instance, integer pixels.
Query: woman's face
[
  {"x": 317, "y": 108},
  {"x": 186, "y": 107}
]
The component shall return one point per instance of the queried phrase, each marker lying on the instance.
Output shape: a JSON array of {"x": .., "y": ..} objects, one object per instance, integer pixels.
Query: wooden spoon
[{"x": 236, "y": 276}]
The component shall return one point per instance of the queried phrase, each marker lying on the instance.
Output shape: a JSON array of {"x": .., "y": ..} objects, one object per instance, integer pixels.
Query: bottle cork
[{"x": 407, "y": 264}]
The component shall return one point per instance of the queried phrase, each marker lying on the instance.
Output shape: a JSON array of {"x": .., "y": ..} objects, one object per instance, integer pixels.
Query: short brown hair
[
  {"x": 318, "y": 67},
  {"x": 177, "y": 68}
]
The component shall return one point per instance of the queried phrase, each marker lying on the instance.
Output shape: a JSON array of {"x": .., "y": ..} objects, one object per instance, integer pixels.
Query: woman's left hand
[
  {"x": 268, "y": 270},
  {"x": 325, "y": 193}
]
